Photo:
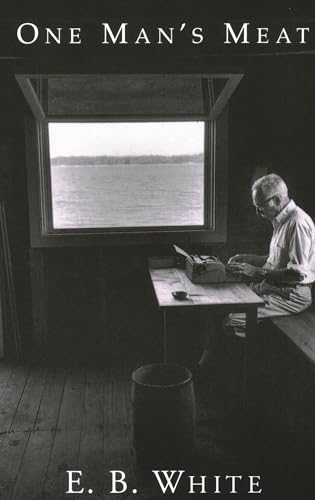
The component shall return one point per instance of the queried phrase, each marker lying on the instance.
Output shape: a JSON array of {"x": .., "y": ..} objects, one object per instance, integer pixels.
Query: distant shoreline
[{"x": 127, "y": 160}]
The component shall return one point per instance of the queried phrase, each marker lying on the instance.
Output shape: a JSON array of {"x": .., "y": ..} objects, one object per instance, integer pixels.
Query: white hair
[{"x": 270, "y": 185}]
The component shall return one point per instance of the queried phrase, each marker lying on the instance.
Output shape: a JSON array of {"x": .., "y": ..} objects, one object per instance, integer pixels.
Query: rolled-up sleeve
[{"x": 300, "y": 246}]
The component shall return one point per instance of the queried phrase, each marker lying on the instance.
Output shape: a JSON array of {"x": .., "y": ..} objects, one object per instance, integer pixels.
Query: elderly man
[{"x": 284, "y": 277}]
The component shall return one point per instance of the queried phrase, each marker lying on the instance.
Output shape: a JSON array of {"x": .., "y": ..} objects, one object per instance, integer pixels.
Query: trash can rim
[{"x": 177, "y": 384}]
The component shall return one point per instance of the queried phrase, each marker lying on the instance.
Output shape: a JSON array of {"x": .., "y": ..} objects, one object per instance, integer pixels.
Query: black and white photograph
[{"x": 157, "y": 250}]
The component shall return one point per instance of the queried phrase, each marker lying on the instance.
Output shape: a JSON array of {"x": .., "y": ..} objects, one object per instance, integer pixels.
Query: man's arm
[
  {"x": 283, "y": 275},
  {"x": 276, "y": 275},
  {"x": 249, "y": 258}
]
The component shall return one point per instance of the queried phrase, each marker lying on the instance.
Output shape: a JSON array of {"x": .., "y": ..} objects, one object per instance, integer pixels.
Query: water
[{"x": 120, "y": 195}]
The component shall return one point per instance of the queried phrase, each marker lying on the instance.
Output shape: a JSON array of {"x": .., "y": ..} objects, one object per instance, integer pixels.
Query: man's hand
[
  {"x": 248, "y": 258},
  {"x": 243, "y": 269}
]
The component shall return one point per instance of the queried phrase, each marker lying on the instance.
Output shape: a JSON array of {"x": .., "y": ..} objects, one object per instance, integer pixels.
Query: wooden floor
[{"x": 54, "y": 419}]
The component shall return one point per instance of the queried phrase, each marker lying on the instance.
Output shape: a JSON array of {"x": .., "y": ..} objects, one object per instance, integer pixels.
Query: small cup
[{"x": 180, "y": 294}]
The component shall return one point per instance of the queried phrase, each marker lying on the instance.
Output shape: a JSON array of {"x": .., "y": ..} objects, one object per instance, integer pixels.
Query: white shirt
[{"x": 292, "y": 245}]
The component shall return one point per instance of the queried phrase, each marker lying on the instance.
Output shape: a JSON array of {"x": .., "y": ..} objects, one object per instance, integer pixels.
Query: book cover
[{"x": 124, "y": 129}]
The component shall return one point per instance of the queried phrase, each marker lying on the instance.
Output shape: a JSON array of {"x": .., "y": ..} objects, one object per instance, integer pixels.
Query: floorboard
[
  {"x": 91, "y": 454},
  {"x": 71, "y": 409},
  {"x": 27, "y": 409},
  {"x": 32, "y": 472},
  {"x": 50, "y": 404},
  {"x": 63, "y": 457},
  {"x": 11, "y": 454},
  {"x": 11, "y": 396}
]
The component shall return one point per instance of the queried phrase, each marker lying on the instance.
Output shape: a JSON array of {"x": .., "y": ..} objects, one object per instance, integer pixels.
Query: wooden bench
[
  {"x": 299, "y": 329},
  {"x": 290, "y": 385}
]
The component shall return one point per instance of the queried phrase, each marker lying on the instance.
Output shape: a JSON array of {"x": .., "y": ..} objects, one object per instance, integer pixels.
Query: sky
[{"x": 93, "y": 139}]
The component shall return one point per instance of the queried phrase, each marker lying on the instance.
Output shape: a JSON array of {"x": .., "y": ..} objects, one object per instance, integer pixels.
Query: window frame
[{"x": 40, "y": 202}]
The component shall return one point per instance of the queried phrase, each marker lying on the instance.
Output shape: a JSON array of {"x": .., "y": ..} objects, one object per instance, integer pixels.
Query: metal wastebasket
[{"x": 164, "y": 414}]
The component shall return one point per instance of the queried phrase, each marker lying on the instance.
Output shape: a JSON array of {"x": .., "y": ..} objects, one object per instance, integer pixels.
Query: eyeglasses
[{"x": 259, "y": 210}]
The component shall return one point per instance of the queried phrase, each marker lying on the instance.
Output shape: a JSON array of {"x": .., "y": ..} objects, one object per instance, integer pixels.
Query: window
[
  {"x": 128, "y": 158},
  {"x": 125, "y": 175}
]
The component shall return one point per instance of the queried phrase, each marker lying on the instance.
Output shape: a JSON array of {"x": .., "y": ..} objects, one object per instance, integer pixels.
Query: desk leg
[
  {"x": 250, "y": 358},
  {"x": 164, "y": 338}
]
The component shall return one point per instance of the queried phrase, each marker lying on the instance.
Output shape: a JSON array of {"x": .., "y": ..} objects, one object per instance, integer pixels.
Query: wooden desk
[{"x": 219, "y": 297}]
